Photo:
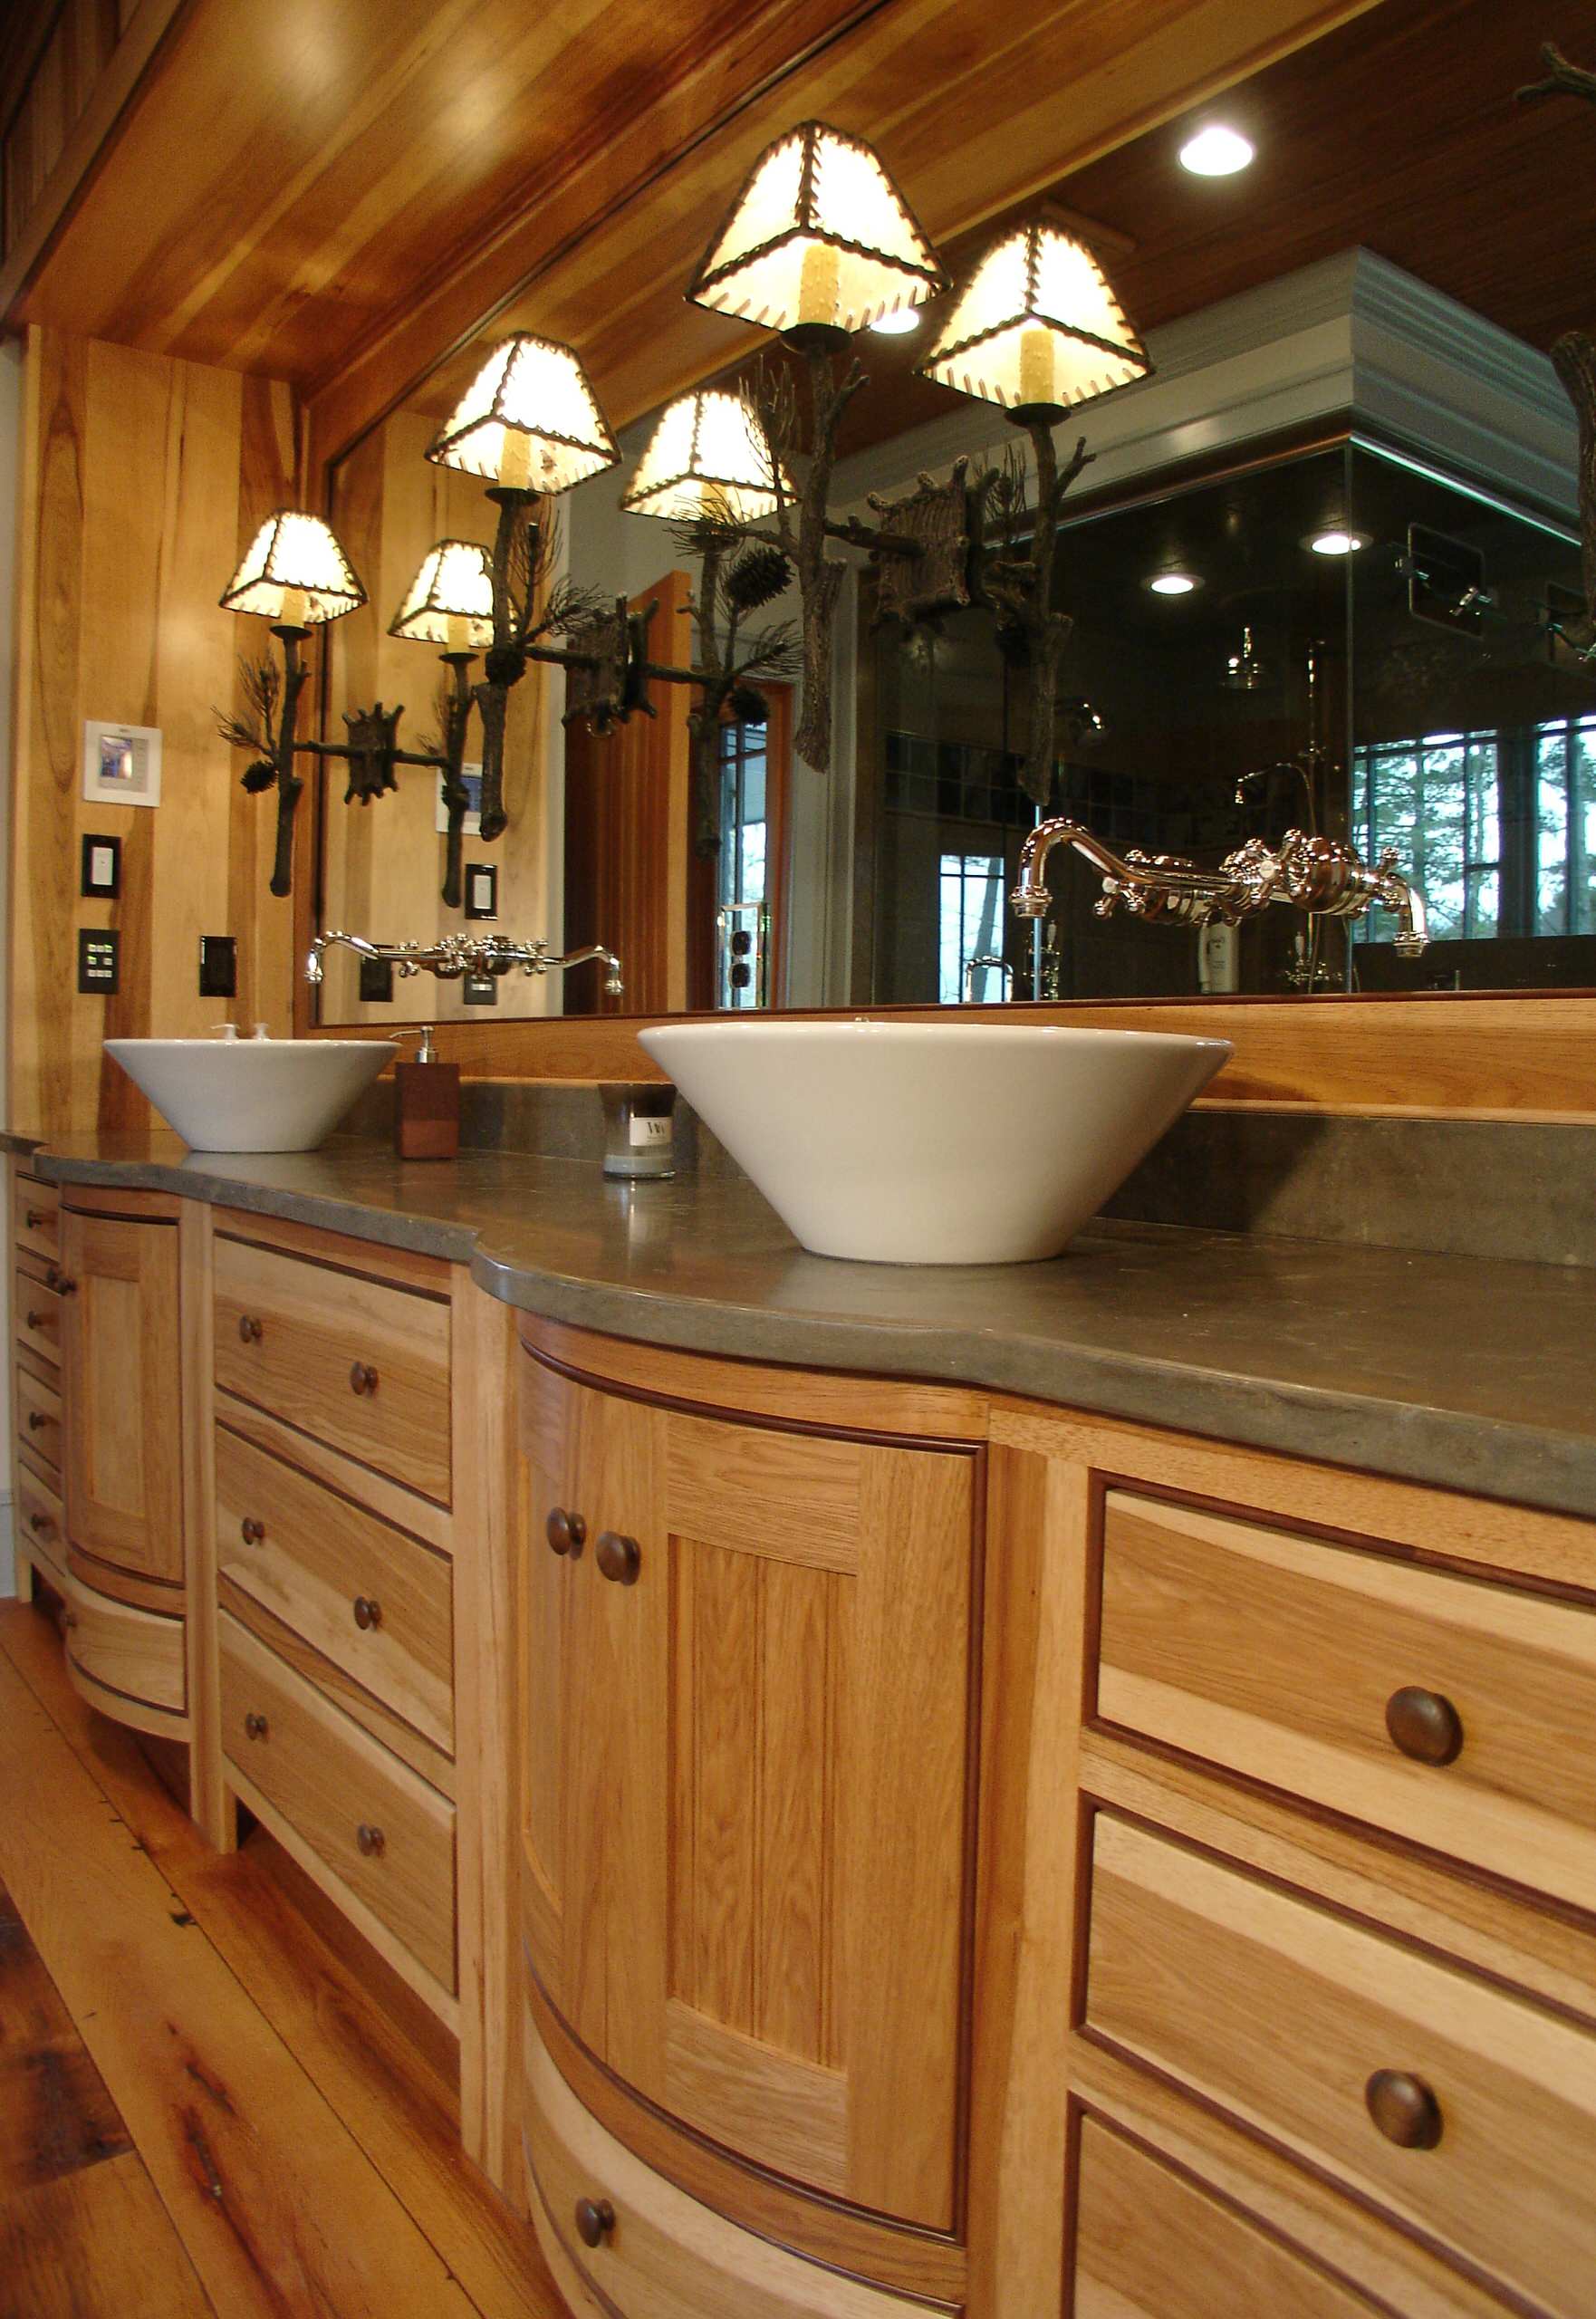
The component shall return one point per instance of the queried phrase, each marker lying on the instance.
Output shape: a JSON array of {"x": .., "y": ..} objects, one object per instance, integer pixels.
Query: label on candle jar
[{"x": 649, "y": 1132}]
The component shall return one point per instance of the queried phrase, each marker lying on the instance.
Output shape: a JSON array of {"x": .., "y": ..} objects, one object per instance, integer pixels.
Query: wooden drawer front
[
  {"x": 667, "y": 2257},
  {"x": 321, "y": 1335},
  {"x": 311, "y": 1558},
  {"x": 1277, "y": 1656},
  {"x": 330, "y": 1779},
  {"x": 35, "y": 1214},
  {"x": 35, "y": 1310},
  {"x": 1152, "y": 2244},
  {"x": 1281, "y": 2013},
  {"x": 38, "y": 1418},
  {"x": 127, "y": 1650},
  {"x": 40, "y": 1521}
]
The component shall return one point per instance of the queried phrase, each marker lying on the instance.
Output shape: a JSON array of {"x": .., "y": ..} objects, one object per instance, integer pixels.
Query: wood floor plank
[
  {"x": 397, "y": 2108},
  {"x": 97, "y": 2244},
  {"x": 55, "y": 2114},
  {"x": 279, "y": 2209}
]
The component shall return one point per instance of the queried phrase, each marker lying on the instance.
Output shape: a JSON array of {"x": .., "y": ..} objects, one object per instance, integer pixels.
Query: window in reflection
[
  {"x": 970, "y": 927},
  {"x": 743, "y": 918}
]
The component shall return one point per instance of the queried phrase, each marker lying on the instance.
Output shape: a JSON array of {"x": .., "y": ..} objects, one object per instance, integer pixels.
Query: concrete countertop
[{"x": 1469, "y": 1374}]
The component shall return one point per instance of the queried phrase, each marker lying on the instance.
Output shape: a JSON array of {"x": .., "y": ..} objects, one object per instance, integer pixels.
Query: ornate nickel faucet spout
[
  {"x": 1317, "y": 874},
  {"x": 454, "y": 956}
]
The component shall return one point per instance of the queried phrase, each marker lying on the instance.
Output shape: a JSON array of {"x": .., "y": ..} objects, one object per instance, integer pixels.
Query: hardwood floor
[{"x": 202, "y": 2109}]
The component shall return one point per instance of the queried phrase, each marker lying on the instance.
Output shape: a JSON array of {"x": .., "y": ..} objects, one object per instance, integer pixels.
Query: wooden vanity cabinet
[
  {"x": 122, "y": 1380},
  {"x": 748, "y": 1669}
]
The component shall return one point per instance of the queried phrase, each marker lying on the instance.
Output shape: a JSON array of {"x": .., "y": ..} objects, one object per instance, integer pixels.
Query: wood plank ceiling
[{"x": 341, "y": 192}]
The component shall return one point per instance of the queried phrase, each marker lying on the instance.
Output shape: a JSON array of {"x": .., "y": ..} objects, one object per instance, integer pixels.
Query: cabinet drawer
[
  {"x": 134, "y": 1653},
  {"x": 375, "y": 1602},
  {"x": 1281, "y": 1657},
  {"x": 330, "y": 1781},
  {"x": 1152, "y": 2244},
  {"x": 35, "y": 1215},
  {"x": 354, "y": 1362},
  {"x": 35, "y": 1310},
  {"x": 38, "y": 1418},
  {"x": 1286, "y": 2015},
  {"x": 666, "y": 2256},
  {"x": 41, "y": 1523}
]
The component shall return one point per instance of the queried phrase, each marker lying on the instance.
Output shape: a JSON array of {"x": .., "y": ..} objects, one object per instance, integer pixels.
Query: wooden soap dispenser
[{"x": 425, "y": 1105}]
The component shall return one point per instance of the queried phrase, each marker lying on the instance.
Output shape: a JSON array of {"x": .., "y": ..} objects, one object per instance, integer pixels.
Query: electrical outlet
[
  {"x": 100, "y": 960},
  {"x": 218, "y": 967},
  {"x": 376, "y": 982},
  {"x": 480, "y": 990}
]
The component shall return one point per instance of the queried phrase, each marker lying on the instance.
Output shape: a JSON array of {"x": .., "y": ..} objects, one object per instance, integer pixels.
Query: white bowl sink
[
  {"x": 252, "y": 1094},
  {"x": 955, "y": 1143}
]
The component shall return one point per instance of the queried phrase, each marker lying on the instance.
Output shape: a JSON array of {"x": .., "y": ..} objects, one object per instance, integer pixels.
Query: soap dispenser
[{"x": 425, "y": 1105}]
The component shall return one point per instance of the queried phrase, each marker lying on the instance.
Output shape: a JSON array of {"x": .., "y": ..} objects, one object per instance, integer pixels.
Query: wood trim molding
[{"x": 1435, "y": 1055}]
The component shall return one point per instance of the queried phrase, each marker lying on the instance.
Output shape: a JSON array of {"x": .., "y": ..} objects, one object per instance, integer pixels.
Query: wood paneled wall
[
  {"x": 383, "y": 863},
  {"x": 141, "y": 481}
]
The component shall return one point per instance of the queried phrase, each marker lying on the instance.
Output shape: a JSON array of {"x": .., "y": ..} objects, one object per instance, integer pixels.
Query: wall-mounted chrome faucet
[
  {"x": 1309, "y": 873},
  {"x": 454, "y": 956}
]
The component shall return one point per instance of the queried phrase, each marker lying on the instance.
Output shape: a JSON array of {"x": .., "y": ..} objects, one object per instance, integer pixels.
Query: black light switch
[
  {"x": 100, "y": 959},
  {"x": 482, "y": 890},
  {"x": 218, "y": 967},
  {"x": 480, "y": 990},
  {"x": 100, "y": 877},
  {"x": 376, "y": 982}
]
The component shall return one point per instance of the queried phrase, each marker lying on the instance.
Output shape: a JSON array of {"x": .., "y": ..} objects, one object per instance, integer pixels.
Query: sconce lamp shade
[
  {"x": 295, "y": 573},
  {"x": 450, "y": 601},
  {"x": 818, "y": 236},
  {"x": 528, "y": 421},
  {"x": 1037, "y": 328},
  {"x": 707, "y": 459}
]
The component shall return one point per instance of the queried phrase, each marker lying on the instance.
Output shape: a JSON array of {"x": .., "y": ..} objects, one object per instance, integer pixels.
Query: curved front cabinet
[{"x": 658, "y": 2254}]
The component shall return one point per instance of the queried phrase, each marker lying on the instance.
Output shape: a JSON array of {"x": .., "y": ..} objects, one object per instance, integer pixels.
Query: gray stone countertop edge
[{"x": 1427, "y": 1443}]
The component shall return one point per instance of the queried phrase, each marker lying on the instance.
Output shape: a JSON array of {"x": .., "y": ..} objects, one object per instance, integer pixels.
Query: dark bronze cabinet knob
[
  {"x": 252, "y": 1531},
  {"x": 249, "y": 1329},
  {"x": 362, "y": 1379},
  {"x": 36, "y": 1418},
  {"x": 370, "y": 1840},
  {"x": 34, "y": 1219},
  {"x": 595, "y": 2219},
  {"x": 1424, "y": 1724},
  {"x": 61, "y": 1283},
  {"x": 367, "y": 1612},
  {"x": 40, "y": 1523},
  {"x": 68, "y": 1618},
  {"x": 36, "y": 1320},
  {"x": 619, "y": 1558},
  {"x": 1404, "y": 2109},
  {"x": 566, "y": 1533},
  {"x": 255, "y": 1727}
]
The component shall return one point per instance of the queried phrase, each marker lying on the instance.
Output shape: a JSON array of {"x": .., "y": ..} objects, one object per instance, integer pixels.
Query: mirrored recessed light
[
  {"x": 1216, "y": 151},
  {"x": 898, "y": 324},
  {"x": 1336, "y": 541},
  {"x": 1174, "y": 583}
]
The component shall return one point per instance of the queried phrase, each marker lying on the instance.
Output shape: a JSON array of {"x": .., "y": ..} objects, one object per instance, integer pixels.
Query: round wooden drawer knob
[
  {"x": 1404, "y": 2109},
  {"x": 255, "y": 1727},
  {"x": 370, "y": 1840},
  {"x": 595, "y": 2219},
  {"x": 1424, "y": 1724},
  {"x": 250, "y": 1331},
  {"x": 620, "y": 1559},
  {"x": 368, "y": 1614},
  {"x": 362, "y": 1379},
  {"x": 252, "y": 1531},
  {"x": 566, "y": 1533}
]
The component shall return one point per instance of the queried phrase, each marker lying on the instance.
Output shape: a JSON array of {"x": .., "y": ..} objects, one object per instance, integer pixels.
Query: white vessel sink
[
  {"x": 252, "y": 1094},
  {"x": 933, "y": 1143}
]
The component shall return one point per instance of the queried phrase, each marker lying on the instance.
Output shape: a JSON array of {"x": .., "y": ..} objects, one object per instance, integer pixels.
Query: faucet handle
[{"x": 224, "y": 1031}]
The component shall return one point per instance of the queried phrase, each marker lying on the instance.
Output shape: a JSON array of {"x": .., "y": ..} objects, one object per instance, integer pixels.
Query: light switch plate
[
  {"x": 482, "y": 890},
  {"x": 480, "y": 990},
  {"x": 218, "y": 967},
  {"x": 100, "y": 961},
  {"x": 100, "y": 876}
]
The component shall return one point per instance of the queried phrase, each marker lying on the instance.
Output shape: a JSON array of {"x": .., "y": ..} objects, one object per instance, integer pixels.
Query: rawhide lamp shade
[
  {"x": 1037, "y": 328},
  {"x": 450, "y": 601},
  {"x": 819, "y": 240},
  {"x": 529, "y": 420},
  {"x": 706, "y": 460},
  {"x": 295, "y": 573}
]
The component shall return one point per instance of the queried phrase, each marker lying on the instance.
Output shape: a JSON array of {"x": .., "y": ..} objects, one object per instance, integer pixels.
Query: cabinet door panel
[
  {"x": 817, "y": 1760},
  {"x": 124, "y": 1490}
]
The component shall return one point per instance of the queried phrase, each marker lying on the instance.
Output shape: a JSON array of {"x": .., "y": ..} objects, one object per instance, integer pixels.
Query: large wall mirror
[{"x": 1319, "y": 574}]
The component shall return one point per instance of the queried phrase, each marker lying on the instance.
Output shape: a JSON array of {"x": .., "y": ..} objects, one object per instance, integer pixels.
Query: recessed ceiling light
[
  {"x": 1336, "y": 541},
  {"x": 1216, "y": 151},
  {"x": 898, "y": 324},
  {"x": 1174, "y": 583}
]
